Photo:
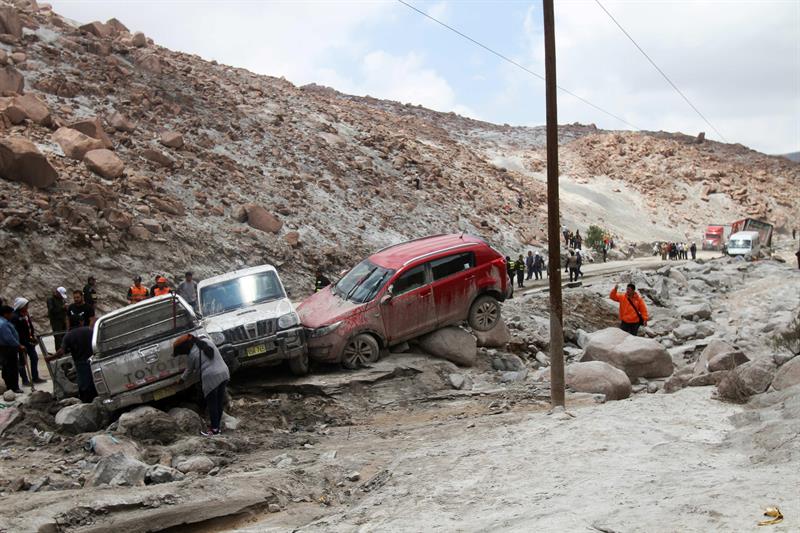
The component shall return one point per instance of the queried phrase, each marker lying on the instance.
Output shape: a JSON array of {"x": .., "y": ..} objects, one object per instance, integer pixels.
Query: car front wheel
[
  {"x": 484, "y": 313},
  {"x": 361, "y": 350},
  {"x": 299, "y": 365}
]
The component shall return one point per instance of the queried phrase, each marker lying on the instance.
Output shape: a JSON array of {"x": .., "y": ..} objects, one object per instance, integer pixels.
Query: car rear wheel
[
  {"x": 299, "y": 365},
  {"x": 360, "y": 351},
  {"x": 484, "y": 313}
]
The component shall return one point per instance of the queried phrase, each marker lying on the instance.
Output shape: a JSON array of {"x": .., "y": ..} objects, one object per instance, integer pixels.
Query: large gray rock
[
  {"x": 149, "y": 424},
  {"x": 497, "y": 337},
  {"x": 196, "y": 463},
  {"x": 162, "y": 474},
  {"x": 727, "y": 361},
  {"x": 753, "y": 377},
  {"x": 714, "y": 348},
  {"x": 636, "y": 356},
  {"x": 188, "y": 421},
  {"x": 701, "y": 310},
  {"x": 685, "y": 331},
  {"x": 117, "y": 470},
  {"x": 596, "y": 377},
  {"x": 787, "y": 375},
  {"x": 678, "y": 277},
  {"x": 105, "y": 444},
  {"x": 507, "y": 362},
  {"x": 82, "y": 418},
  {"x": 451, "y": 343}
]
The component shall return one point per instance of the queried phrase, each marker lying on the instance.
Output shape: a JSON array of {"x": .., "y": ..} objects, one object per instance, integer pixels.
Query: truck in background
[
  {"x": 764, "y": 229},
  {"x": 716, "y": 236},
  {"x": 745, "y": 243}
]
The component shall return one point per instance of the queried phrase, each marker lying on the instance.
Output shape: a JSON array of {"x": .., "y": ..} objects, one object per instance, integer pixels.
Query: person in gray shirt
[
  {"x": 203, "y": 357},
  {"x": 188, "y": 290}
]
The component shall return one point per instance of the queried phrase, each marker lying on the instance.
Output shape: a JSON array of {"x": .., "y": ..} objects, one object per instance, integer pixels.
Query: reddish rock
[
  {"x": 104, "y": 162},
  {"x": 120, "y": 122},
  {"x": 139, "y": 40},
  {"x": 21, "y": 161},
  {"x": 10, "y": 22},
  {"x": 96, "y": 28},
  {"x": 28, "y": 107},
  {"x": 156, "y": 156},
  {"x": 292, "y": 239},
  {"x": 139, "y": 232},
  {"x": 149, "y": 63},
  {"x": 11, "y": 81},
  {"x": 152, "y": 225},
  {"x": 94, "y": 129},
  {"x": 167, "y": 205},
  {"x": 261, "y": 219},
  {"x": 116, "y": 27},
  {"x": 239, "y": 214},
  {"x": 171, "y": 139},
  {"x": 18, "y": 58},
  {"x": 74, "y": 143},
  {"x": 118, "y": 219}
]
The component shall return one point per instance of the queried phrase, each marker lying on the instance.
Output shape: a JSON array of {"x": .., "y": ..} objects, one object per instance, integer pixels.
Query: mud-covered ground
[{"x": 397, "y": 447}]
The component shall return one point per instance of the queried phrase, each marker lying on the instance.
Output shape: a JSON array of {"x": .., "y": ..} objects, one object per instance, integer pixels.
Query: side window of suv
[
  {"x": 447, "y": 266},
  {"x": 409, "y": 280}
]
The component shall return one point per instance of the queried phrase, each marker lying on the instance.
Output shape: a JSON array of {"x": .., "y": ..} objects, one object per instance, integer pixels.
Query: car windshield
[
  {"x": 739, "y": 243},
  {"x": 363, "y": 282},
  {"x": 240, "y": 292}
]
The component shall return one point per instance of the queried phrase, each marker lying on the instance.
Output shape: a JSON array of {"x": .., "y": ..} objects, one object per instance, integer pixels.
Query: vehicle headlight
[
  {"x": 324, "y": 330},
  {"x": 288, "y": 320},
  {"x": 217, "y": 337}
]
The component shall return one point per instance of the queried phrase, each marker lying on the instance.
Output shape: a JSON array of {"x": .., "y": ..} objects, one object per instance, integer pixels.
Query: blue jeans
[
  {"x": 34, "y": 359},
  {"x": 86, "y": 390}
]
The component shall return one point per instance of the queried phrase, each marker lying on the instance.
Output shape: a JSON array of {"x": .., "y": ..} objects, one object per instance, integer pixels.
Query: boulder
[
  {"x": 147, "y": 423},
  {"x": 596, "y": 377},
  {"x": 460, "y": 381},
  {"x": 782, "y": 358},
  {"x": 82, "y": 418},
  {"x": 117, "y": 218},
  {"x": 96, "y": 28},
  {"x": 116, "y": 27},
  {"x": 11, "y": 80},
  {"x": 727, "y": 361},
  {"x": 787, "y": 375},
  {"x": 74, "y": 143},
  {"x": 678, "y": 277},
  {"x": 451, "y": 343},
  {"x": 94, "y": 129},
  {"x": 104, "y": 162},
  {"x": 507, "y": 362},
  {"x": 21, "y": 161},
  {"x": 636, "y": 356},
  {"x": 292, "y": 239},
  {"x": 229, "y": 422},
  {"x": 171, "y": 139},
  {"x": 705, "y": 329},
  {"x": 701, "y": 310},
  {"x": 685, "y": 331},
  {"x": 9, "y": 416},
  {"x": 158, "y": 157},
  {"x": 117, "y": 470},
  {"x": 196, "y": 463},
  {"x": 704, "y": 380},
  {"x": 39, "y": 399},
  {"x": 753, "y": 377},
  {"x": 10, "y": 22},
  {"x": 106, "y": 444},
  {"x": 162, "y": 474},
  {"x": 188, "y": 421},
  {"x": 29, "y": 107},
  {"x": 139, "y": 40},
  {"x": 714, "y": 348},
  {"x": 262, "y": 220},
  {"x": 497, "y": 337},
  {"x": 149, "y": 63},
  {"x": 120, "y": 122}
]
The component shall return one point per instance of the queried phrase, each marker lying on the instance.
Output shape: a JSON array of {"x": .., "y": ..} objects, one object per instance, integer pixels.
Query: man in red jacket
[{"x": 632, "y": 310}]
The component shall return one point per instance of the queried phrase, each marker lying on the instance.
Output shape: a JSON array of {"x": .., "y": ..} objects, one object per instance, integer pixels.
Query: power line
[
  {"x": 660, "y": 71},
  {"x": 516, "y": 64}
]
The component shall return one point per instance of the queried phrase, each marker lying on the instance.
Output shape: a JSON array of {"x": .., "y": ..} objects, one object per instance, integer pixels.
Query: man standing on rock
[
  {"x": 632, "y": 310},
  {"x": 78, "y": 343}
]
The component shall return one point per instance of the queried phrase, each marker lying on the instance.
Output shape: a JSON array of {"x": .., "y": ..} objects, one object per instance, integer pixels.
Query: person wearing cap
[
  {"x": 57, "y": 314},
  {"x": 161, "y": 287},
  {"x": 137, "y": 292},
  {"x": 204, "y": 358},
  {"x": 27, "y": 340},
  {"x": 9, "y": 348},
  {"x": 188, "y": 290},
  {"x": 90, "y": 292}
]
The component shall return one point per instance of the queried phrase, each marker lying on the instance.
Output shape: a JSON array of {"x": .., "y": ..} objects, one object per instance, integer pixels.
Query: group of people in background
[
  {"x": 675, "y": 250},
  {"x": 533, "y": 264}
]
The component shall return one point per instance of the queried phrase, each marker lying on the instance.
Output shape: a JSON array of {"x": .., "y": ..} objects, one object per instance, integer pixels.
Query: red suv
[{"x": 402, "y": 292}]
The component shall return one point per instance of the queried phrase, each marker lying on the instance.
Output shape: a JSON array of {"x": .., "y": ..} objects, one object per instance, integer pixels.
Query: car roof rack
[{"x": 412, "y": 240}]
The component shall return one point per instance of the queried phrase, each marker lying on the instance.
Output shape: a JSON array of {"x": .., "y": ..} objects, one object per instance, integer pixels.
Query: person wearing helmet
[{"x": 161, "y": 287}]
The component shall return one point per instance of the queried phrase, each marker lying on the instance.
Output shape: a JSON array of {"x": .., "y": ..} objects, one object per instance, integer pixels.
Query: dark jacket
[
  {"x": 56, "y": 310},
  {"x": 25, "y": 330}
]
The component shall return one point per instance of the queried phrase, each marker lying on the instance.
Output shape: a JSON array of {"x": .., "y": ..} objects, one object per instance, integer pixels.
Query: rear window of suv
[{"x": 447, "y": 266}]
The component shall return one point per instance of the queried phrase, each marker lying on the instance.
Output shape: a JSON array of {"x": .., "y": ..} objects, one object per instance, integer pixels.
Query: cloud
[{"x": 739, "y": 63}]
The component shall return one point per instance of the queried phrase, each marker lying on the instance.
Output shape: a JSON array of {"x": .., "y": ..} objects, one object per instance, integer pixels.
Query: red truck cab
[{"x": 402, "y": 292}]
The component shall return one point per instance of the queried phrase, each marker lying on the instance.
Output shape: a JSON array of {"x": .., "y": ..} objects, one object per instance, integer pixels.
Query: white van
[
  {"x": 744, "y": 243},
  {"x": 248, "y": 315}
]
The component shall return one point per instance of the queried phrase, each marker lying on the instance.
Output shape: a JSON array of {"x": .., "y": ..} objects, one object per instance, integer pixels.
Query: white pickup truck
[{"x": 249, "y": 317}]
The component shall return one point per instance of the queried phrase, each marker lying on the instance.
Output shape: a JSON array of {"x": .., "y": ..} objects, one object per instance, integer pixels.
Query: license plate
[
  {"x": 255, "y": 350},
  {"x": 163, "y": 393}
]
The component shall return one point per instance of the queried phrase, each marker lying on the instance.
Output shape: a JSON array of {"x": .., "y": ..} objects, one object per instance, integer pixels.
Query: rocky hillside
[{"x": 120, "y": 157}]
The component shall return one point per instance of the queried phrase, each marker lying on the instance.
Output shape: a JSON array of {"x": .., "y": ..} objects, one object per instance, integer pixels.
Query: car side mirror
[{"x": 388, "y": 296}]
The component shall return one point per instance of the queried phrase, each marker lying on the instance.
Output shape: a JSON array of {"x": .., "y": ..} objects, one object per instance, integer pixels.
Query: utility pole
[{"x": 553, "y": 218}]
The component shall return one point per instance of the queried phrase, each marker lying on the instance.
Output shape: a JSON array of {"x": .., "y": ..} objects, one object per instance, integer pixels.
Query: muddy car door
[
  {"x": 133, "y": 347},
  {"x": 454, "y": 286},
  {"x": 409, "y": 310}
]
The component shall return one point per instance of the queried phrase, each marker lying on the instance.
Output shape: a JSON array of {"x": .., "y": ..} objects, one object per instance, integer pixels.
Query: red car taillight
[{"x": 99, "y": 381}]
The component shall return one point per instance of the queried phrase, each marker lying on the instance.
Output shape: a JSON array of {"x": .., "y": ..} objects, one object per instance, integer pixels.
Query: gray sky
[{"x": 738, "y": 61}]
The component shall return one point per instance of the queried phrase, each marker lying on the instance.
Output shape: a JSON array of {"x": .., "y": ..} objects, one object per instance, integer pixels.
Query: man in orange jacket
[{"x": 632, "y": 310}]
